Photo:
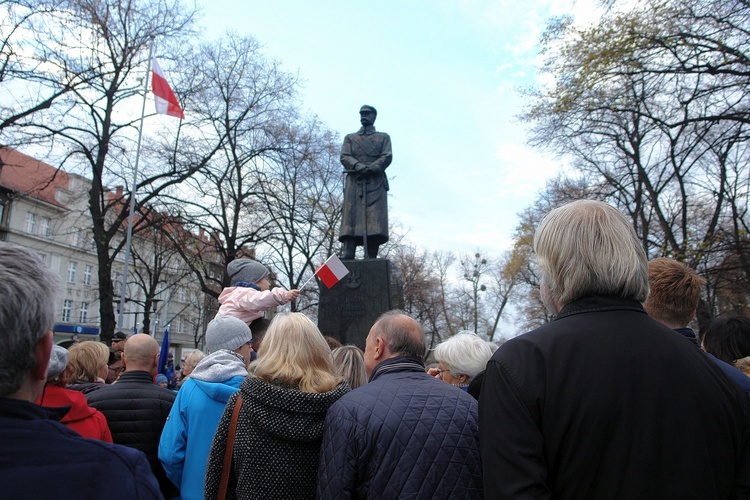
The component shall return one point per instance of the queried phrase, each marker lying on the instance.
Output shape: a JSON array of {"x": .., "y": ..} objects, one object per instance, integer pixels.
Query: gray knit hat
[
  {"x": 58, "y": 360},
  {"x": 226, "y": 332},
  {"x": 246, "y": 270}
]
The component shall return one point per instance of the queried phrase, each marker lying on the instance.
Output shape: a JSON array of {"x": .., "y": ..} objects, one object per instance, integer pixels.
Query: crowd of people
[{"x": 617, "y": 397}]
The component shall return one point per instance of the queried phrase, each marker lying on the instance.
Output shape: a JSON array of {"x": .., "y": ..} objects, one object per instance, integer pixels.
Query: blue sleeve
[{"x": 173, "y": 442}]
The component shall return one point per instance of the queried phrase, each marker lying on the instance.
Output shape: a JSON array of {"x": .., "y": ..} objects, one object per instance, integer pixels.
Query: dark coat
[
  {"x": 41, "y": 458},
  {"x": 605, "y": 402},
  {"x": 402, "y": 435},
  {"x": 136, "y": 410},
  {"x": 366, "y": 148},
  {"x": 277, "y": 442}
]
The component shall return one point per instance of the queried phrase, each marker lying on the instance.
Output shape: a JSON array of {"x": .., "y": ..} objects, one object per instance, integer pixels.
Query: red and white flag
[
  {"x": 331, "y": 271},
  {"x": 166, "y": 101}
]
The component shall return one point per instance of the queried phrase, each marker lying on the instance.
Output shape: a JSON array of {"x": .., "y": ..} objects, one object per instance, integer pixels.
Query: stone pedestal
[{"x": 348, "y": 310}]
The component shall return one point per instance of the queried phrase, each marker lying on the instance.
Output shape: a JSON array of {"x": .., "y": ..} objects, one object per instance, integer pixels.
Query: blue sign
[{"x": 78, "y": 329}]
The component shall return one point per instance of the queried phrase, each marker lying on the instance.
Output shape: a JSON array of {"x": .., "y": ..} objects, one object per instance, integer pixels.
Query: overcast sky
[{"x": 444, "y": 76}]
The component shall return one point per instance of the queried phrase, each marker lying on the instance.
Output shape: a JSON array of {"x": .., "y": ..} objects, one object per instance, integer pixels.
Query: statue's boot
[{"x": 350, "y": 248}]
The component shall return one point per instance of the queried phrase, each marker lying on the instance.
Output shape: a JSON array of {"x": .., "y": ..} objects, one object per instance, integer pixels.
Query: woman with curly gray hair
[{"x": 461, "y": 357}]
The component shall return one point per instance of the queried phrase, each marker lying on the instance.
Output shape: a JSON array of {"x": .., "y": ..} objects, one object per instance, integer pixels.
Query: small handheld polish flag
[
  {"x": 164, "y": 98},
  {"x": 331, "y": 271}
]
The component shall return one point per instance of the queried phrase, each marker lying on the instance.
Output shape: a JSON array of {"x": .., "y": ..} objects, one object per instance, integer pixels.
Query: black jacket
[
  {"x": 605, "y": 402},
  {"x": 402, "y": 435},
  {"x": 136, "y": 411}
]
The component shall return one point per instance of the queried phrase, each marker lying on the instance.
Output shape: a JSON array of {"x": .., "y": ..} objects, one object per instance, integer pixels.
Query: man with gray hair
[
  {"x": 39, "y": 457},
  {"x": 404, "y": 434},
  {"x": 604, "y": 401}
]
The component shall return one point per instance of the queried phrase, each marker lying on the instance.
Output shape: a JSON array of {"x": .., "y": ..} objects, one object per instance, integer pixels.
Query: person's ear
[
  {"x": 379, "y": 348},
  {"x": 42, "y": 353}
]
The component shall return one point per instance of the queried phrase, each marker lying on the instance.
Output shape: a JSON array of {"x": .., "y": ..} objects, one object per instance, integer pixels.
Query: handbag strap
[{"x": 229, "y": 449}]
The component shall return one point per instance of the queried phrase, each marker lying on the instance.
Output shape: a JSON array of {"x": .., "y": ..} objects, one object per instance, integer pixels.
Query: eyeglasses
[{"x": 440, "y": 371}]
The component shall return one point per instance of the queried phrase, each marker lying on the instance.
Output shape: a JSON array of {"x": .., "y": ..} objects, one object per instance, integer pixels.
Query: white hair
[
  {"x": 464, "y": 354},
  {"x": 589, "y": 248}
]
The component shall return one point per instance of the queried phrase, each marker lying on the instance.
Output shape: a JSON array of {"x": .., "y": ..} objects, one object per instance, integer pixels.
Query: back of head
[
  {"x": 675, "y": 291},
  {"x": 246, "y": 271},
  {"x": 464, "y": 354},
  {"x": 332, "y": 342},
  {"x": 227, "y": 332},
  {"x": 258, "y": 328},
  {"x": 727, "y": 337},
  {"x": 58, "y": 362},
  {"x": 28, "y": 290},
  {"x": 402, "y": 334},
  {"x": 350, "y": 362},
  {"x": 193, "y": 358},
  {"x": 87, "y": 359},
  {"x": 589, "y": 248},
  {"x": 140, "y": 353},
  {"x": 295, "y": 353}
]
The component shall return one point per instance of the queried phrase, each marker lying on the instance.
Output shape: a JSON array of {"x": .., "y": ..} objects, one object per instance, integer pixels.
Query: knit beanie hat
[
  {"x": 227, "y": 332},
  {"x": 58, "y": 360},
  {"x": 161, "y": 378},
  {"x": 246, "y": 270}
]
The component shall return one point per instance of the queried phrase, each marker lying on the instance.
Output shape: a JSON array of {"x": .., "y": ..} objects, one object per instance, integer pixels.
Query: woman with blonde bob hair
[
  {"x": 89, "y": 360},
  {"x": 283, "y": 405}
]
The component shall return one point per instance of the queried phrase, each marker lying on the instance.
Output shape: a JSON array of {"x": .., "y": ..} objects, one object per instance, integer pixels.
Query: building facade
[{"x": 45, "y": 209}]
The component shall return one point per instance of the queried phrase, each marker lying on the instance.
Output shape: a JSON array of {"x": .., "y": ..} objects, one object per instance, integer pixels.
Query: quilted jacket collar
[{"x": 397, "y": 364}]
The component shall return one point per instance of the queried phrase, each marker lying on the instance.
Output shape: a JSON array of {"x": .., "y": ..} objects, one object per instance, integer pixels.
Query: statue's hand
[{"x": 374, "y": 170}]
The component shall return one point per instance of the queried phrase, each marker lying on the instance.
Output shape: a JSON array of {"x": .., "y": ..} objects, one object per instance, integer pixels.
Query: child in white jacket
[{"x": 249, "y": 296}]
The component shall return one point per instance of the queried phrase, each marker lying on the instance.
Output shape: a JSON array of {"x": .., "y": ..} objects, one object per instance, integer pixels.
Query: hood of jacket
[
  {"x": 219, "y": 366},
  {"x": 56, "y": 397},
  {"x": 288, "y": 413}
]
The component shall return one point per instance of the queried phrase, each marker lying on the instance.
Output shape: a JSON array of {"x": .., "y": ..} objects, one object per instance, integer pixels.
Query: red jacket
[{"x": 86, "y": 421}]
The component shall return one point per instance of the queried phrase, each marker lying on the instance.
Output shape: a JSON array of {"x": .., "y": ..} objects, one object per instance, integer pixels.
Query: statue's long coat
[{"x": 366, "y": 148}]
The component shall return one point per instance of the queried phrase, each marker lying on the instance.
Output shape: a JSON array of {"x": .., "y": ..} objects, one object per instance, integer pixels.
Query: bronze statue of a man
[{"x": 365, "y": 156}]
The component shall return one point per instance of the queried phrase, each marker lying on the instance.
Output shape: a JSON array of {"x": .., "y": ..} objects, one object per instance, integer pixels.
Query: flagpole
[
  {"x": 124, "y": 288},
  {"x": 308, "y": 281}
]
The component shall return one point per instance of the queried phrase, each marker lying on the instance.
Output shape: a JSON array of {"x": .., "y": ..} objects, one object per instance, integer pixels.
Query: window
[
  {"x": 83, "y": 313},
  {"x": 72, "y": 269},
  {"x": 43, "y": 257},
  {"x": 67, "y": 310},
  {"x": 30, "y": 223},
  {"x": 183, "y": 294},
  {"x": 45, "y": 228},
  {"x": 87, "y": 274}
]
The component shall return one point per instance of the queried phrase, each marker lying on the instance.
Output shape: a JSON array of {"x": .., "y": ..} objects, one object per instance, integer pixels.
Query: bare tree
[
  {"x": 239, "y": 98},
  {"x": 651, "y": 106},
  {"x": 302, "y": 192}
]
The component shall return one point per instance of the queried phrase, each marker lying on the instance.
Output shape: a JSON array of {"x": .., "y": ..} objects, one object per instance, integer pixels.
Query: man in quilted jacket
[{"x": 404, "y": 434}]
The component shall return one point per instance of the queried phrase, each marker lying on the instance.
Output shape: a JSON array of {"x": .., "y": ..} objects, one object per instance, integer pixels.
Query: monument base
[{"x": 348, "y": 310}]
